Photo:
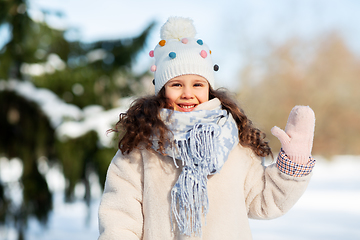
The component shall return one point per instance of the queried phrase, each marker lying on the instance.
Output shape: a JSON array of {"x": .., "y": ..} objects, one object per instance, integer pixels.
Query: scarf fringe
[{"x": 189, "y": 195}]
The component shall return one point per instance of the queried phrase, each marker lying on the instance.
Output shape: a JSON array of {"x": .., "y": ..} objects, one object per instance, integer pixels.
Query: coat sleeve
[
  {"x": 269, "y": 192},
  {"x": 120, "y": 211}
]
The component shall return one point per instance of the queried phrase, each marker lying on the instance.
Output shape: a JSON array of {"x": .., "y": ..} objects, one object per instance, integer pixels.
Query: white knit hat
[{"x": 180, "y": 53}]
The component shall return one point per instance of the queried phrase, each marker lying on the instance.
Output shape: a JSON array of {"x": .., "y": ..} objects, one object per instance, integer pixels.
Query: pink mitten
[{"x": 297, "y": 140}]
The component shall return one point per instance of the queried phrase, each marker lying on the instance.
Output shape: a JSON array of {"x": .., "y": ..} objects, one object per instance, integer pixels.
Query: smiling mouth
[{"x": 187, "y": 106}]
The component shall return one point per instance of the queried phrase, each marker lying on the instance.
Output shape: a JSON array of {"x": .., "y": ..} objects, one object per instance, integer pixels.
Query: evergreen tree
[{"x": 82, "y": 74}]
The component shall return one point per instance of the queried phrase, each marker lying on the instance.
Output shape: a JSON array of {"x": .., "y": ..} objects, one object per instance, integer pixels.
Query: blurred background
[{"x": 69, "y": 68}]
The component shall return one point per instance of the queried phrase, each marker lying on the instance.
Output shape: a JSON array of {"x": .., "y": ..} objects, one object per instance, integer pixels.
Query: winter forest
[{"x": 60, "y": 95}]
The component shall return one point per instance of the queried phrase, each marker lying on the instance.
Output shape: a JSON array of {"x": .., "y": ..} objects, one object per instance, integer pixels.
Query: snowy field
[{"x": 329, "y": 209}]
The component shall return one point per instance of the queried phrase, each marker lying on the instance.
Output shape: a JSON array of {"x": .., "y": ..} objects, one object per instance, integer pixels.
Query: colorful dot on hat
[
  {"x": 210, "y": 51},
  {"x": 184, "y": 40},
  {"x": 153, "y": 68},
  {"x": 203, "y": 54},
  {"x": 162, "y": 43},
  {"x": 151, "y": 53},
  {"x": 153, "y": 81},
  {"x": 200, "y": 42},
  {"x": 216, "y": 67},
  {"x": 172, "y": 55}
]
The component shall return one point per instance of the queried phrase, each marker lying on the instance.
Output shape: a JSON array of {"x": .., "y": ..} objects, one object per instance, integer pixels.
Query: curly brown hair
[{"x": 142, "y": 121}]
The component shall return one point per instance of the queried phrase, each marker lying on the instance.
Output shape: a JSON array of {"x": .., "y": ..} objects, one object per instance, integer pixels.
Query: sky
[{"x": 231, "y": 28}]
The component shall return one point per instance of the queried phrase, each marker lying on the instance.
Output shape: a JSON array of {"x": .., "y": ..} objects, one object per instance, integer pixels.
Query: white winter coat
[{"x": 136, "y": 200}]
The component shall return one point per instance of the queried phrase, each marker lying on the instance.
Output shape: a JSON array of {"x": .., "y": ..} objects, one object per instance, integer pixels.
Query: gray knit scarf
[{"x": 203, "y": 140}]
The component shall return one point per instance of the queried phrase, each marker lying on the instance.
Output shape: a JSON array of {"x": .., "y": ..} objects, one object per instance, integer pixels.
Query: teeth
[{"x": 187, "y": 106}]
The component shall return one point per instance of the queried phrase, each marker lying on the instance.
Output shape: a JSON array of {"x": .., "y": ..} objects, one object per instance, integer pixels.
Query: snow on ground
[
  {"x": 68, "y": 221},
  {"x": 329, "y": 209}
]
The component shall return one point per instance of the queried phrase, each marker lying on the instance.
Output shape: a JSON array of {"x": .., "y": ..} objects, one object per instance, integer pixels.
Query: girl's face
[{"x": 185, "y": 92}]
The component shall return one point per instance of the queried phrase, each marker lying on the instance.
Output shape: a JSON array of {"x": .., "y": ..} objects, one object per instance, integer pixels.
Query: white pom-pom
[{"x": 178, "y": 28}]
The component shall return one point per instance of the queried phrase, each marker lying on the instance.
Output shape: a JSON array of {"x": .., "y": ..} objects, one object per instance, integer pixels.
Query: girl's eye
[
  {"x": 176, "y": 85},
  {"x": 198, "y": 85}
]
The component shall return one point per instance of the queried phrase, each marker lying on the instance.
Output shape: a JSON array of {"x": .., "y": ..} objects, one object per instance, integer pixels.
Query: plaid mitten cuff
[{"x": 285, "y": 165}]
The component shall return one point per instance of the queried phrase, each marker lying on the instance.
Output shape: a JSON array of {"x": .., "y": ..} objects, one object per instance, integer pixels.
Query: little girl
[{"x": 189, "y": 160}]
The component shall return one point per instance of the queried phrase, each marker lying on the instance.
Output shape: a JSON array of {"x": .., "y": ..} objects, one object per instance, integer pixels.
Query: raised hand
[{"x": 297, "y": 139}]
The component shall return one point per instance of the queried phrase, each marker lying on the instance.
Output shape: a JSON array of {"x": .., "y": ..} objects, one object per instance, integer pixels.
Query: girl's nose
[{"x": 187, "y": 93}]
